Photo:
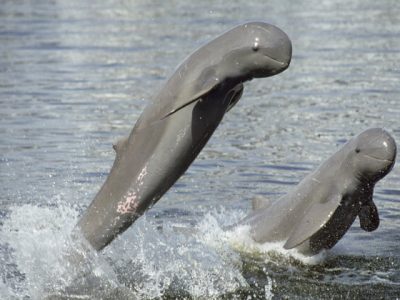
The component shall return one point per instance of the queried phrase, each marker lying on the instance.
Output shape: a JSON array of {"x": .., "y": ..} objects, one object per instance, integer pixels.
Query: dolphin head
[
  {"x": 374, "y": 152},
  {"x": 259, "y": 50}
]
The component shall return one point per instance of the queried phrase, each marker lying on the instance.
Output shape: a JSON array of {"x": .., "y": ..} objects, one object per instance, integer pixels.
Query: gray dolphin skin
[
  {"x": 317, "y": 213},
  {"x": 174, "y": 128}
]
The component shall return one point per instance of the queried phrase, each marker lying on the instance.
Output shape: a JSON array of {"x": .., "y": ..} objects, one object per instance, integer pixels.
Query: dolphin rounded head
[
  {"x": 258, "y": 50},
  {"x": 374, "y": 153}
]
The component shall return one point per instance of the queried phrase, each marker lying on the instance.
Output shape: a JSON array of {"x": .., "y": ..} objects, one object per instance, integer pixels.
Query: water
[{"x": 74, "y": 77}]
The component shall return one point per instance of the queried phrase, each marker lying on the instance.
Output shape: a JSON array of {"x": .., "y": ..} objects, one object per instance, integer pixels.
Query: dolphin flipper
[
  {"x": 236, "y": 94},
  {"x": 369, "y": 216},
  {"x": 201, "y": 86},
  {"x": 314, "y": 218}
]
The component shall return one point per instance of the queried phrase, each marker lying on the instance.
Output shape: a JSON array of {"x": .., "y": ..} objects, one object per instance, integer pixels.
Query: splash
[
  {"x": 42, "y": 258},
  {"x": 240, "y": 239},
  {"x": 46, "y": 260},
  {"x": 172, "y": 261}
]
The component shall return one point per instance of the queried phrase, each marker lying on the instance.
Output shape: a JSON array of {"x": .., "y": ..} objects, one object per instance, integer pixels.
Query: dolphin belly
[{"x": 150, "y": 163}]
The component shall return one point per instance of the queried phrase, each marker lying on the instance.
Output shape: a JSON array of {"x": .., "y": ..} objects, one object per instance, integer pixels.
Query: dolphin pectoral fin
[
  {"x": 314, "y": 219},
  {"x": 260, "y": 202},
  {"x": 235, "y": 94},
  {"x": 369, "y": 217},
  {"x": 179, "y": 108},
  {"x": 206, "y": 82}
]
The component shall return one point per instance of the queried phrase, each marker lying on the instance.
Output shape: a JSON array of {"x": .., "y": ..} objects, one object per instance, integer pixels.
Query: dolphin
[
  {"x": 176, "y": 125},
  {"x": 317, "y": 213}
]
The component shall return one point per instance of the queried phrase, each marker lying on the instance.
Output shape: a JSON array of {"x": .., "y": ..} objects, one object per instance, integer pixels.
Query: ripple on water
[{"x": 74, "y": 76}]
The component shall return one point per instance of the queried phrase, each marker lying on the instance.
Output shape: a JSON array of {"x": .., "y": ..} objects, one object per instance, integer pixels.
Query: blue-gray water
[{"x": 74, "y": 77}]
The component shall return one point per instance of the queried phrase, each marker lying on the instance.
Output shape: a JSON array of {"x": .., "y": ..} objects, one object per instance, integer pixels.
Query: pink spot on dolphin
[{"x": 129, "y": 204}]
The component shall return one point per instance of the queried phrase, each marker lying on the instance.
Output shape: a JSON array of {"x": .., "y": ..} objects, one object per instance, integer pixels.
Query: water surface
[{"x": 74, "y": 77}]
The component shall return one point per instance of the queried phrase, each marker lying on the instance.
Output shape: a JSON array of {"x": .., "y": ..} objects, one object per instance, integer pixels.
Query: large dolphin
[
  {"x": 321, "y": 208},
  {"x": 174, "y": 128}
]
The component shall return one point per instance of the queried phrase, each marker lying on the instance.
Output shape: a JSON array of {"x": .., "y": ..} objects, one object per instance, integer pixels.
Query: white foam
[
  {"x": 144, "y": 262},
  {"x": 189, "y": 262},
  {"x": 268, "y": 289},
  {"x": 48, "y": 260},
  {"x": 241, "y": 239}
]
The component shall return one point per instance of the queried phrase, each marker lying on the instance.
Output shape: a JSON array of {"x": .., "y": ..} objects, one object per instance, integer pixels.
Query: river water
[{"x": 74, "y": 77}]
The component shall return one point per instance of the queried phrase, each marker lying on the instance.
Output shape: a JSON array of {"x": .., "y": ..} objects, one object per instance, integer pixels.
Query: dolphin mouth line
[
  {"x": 380, "y": 159},
  {"x": 278, "y": 61}
]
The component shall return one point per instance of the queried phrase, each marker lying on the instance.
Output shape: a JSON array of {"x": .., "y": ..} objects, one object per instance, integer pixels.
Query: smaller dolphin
[{"x": 317, "y": 213}]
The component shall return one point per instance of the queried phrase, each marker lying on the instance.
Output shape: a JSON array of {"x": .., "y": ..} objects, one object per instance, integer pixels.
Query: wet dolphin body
[
  {"x": 321, "y": 208},
  {"x": 174, "y": 128}
]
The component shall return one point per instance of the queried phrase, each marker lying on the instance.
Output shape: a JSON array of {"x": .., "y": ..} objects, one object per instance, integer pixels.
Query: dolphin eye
[
  {"x": 255, "y": 47},
  {"x": 357, "y": 150},
  {"x": 256, "y": 44}
]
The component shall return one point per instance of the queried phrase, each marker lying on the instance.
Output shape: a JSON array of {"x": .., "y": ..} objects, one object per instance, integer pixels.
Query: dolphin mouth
[
  {"x": 277, "y": 65},
  {"x": 277, "y": 61},
  {"x": 380, "y": 159}
]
